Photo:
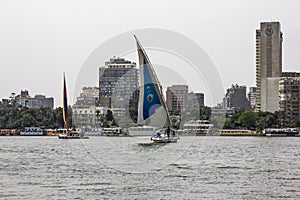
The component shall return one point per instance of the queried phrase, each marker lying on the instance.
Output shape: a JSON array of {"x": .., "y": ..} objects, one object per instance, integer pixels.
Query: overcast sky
[{"x": 39, "y": 40}]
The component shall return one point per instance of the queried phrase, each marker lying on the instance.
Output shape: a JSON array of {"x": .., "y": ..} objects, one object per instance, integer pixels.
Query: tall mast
[{"x": 65, "y": 105}]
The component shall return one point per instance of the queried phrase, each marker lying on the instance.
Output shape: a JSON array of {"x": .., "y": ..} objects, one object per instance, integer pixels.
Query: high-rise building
[
  {"x": 118, "y": 79},
  {"x": 235, "y": 98},
  {"x": 177, "y": 96},
  {"x": 252, "y": 97},
  {"x": 268, "y": 66},
  {"x": 195, "y": 98},
  {"x": 289, "y": 89}
]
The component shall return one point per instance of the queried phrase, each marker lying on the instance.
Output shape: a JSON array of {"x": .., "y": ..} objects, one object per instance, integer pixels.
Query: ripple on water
[{"x": 221, "y": 168}]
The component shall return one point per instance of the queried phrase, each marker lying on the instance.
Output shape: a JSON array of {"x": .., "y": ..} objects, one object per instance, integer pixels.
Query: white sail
[{"x": 152, "y": 109}]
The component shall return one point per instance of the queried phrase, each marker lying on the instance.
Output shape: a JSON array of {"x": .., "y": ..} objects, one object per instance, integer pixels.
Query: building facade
[
  {"x": 118, "y": 79},
  {"x": 252, "y": 97},
  {"x": 89, "y": 96},
  {"x": 290, "y": 74},
  {"x": 289, "y": 90},
  {"x": 86, "y": 113},
  {"x": 235, "y": 98},
  {"x": 268, "y": 66},
  {"x": 89, "y": 118},
  {"x": 195, "y": 98},
  {"x": 38, "y": 101},
  {"x": 177, "y": 97}
]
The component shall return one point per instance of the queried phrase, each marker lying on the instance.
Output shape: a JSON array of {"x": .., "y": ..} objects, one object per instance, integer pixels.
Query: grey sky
[{"x": 39, "y": 40}]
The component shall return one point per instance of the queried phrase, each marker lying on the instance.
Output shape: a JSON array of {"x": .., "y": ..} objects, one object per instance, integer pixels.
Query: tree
[
  {"x": 219, "y": 121},
  {"x": 205, "y": 112},
  {"x": 229, "y": 124},
  {"x": 248, "y": 119}
]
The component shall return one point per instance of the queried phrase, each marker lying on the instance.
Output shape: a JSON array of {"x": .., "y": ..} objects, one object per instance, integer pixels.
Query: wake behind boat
[
  {"x": 152, "y": 109},
  {"x": 68, "y": 133}
]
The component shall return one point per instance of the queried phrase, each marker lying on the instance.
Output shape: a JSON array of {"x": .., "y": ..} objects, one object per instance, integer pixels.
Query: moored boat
[
  {"x": 71, "y": 134},
  {"x": 197, "y": 127},
  {"x": 281, "y": 132},
  {"x": 113, "y": 131},
  {"x": 32, "y": 131}
]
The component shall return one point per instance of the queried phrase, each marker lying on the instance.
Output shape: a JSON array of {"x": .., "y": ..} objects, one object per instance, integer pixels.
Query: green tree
[
  {"x": 229, "y": 124},
  {"x": 248, "y": 119},
  {"x": 218, "y": 121}
]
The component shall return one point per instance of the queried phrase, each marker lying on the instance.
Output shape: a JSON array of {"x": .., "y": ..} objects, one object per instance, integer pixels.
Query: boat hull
[
  {"x": 282, "y": 135},
  {"x": 63, "y": 136},
  {"x": 284, "y": 132},
  {"x": 164, "y": 139},
  {"x": 160, "y": 136}
]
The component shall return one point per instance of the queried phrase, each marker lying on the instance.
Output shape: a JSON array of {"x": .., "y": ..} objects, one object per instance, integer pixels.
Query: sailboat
[
  {"x": 152, "y": 109},
  {"x": 67, "y": 133}
]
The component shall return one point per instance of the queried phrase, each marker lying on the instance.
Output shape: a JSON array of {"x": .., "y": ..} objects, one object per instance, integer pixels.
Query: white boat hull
[
  {"x": 165, "y": 139},
  {"x": 161, "y": 137},
  {"x": 66, "y": 136}
]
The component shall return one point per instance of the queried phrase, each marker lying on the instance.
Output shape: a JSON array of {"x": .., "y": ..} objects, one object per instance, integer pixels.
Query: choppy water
[{"x": 129, "y": 168}]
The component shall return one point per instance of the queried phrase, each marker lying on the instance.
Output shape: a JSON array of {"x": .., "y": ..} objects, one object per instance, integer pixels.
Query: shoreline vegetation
[{"x": 14, "y": 119}]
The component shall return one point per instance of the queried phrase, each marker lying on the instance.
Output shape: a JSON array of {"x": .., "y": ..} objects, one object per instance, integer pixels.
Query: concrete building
[
  {"x": 89, "y": 96},
  {"x": 219, "y": 110},
  {"x": 89, "y": 118},
  {"x": 85, "y": 114},
  {"x": 268, "y": 66},
  {"x": 38, "y": 101},
  {"x": 118, "y": 79},
  {"x": 290, "y": 74},
  {"x": 252, "y": 97},
  {"x": 289, "y": 90},
  {"x": 195, "y": 98},
  {"x": 235, "y": 98},
  {"x": 177, "y": 97}
]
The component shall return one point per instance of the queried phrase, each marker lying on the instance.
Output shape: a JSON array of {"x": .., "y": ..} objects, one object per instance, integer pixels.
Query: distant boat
[
  {"x": 113, "y": 131},
  {"x": 68, "y": 133},
  {"x": 32, "y": 131},
  {"x": 281, "y": 132},
  {"x": 197, "y": 127},
  {"x": 152, "y": 110}
]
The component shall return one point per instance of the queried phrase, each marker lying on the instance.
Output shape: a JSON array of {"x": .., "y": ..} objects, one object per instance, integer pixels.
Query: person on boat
[
  {"x": 168, "y": 131},
  {"x": 173, "y": 133}
]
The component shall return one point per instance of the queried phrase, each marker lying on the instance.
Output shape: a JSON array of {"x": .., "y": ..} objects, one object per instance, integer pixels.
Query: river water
[{"x": 132, "y": 168}]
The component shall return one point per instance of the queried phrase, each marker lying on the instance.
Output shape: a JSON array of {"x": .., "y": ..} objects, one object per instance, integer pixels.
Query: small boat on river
[
  {"x": 152, "y": 109},
  {"x": 68, "y": 133}
]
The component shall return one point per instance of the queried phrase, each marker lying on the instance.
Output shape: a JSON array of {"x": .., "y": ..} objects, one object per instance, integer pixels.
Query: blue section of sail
[{"x": 151, "y": 101}]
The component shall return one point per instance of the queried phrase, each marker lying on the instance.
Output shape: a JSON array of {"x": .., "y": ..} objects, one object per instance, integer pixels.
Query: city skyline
[{"x": 41, "y": 40}]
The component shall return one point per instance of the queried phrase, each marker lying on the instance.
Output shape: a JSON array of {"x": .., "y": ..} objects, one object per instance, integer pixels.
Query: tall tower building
[
  {"x": 118, "y": 79},
  {"x": 268, "y": 66}
]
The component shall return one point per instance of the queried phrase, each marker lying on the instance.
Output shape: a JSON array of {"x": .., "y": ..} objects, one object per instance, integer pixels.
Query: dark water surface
[{"x": 131, "y": 168}]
